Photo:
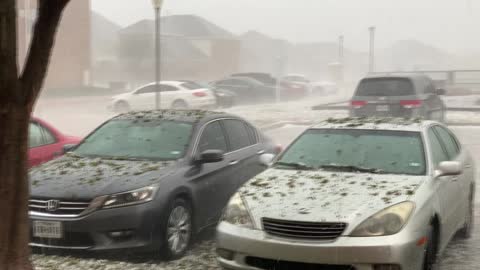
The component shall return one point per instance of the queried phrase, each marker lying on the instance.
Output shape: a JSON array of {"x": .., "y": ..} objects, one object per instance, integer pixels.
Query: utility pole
[
  {"x": 372, "y": 49},
  {"x": 157, "y": 5},
  {"x": 341, "y": 40}
]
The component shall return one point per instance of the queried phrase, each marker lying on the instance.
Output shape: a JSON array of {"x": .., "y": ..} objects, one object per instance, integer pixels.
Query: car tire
[
  {"x": 122, "y": 107},
  {"x": 177, "y": 230},
  {"x": 430, "y": 257},
  {"x": 466, "y": 231},
  {"x": 179, "y": 105}
]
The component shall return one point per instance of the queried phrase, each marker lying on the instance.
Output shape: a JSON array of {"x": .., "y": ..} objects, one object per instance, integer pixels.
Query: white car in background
[
  {"x": 315, "y": 88},
  {"x": 173, "y": 95}
]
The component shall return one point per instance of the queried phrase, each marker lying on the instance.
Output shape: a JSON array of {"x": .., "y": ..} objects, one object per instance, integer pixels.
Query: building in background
[{"x": 71, "y": 58}]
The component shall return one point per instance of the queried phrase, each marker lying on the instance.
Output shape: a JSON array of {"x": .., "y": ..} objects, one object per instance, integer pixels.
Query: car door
[
  {"x": 447, "y": 187},
  {"x": 208, "y": 179},
  {"x": 243, "y": 156},
  {"x": 171, "y": 94},
  {"x": 43, "y": 146},
  {"x": 456, "y": 153},
  {"x": 144, "y": 98}
]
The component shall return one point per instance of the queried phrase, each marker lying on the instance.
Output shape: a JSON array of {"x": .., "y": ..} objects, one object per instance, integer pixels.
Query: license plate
[
  {"x": 48, "y": 229},
  {"x": 383, "y": 108}
]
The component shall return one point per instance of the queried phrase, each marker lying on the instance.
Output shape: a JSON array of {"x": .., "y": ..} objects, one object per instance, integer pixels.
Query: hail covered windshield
[
  {"x": 393, "y": 152},
  {"x": 138, "y": 139}
]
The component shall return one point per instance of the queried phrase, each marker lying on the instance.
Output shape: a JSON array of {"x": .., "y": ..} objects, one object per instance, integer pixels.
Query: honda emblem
[{"x": 52, "y": 205}]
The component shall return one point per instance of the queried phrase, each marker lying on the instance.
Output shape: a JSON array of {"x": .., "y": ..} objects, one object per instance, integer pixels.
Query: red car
[{"x": 46, "y": 142}]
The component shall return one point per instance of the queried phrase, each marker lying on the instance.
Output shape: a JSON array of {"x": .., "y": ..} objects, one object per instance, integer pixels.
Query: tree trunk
[
  {"x": 18, "y": 95},
  {"x": 14, "y": 192}
]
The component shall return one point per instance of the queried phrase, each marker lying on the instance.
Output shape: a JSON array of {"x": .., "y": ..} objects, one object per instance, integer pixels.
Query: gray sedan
[{"x": 357, "y": 194}]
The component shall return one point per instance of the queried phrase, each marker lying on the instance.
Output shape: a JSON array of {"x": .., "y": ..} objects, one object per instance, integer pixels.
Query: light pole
[
  {"x": 157, "y": 5},
  {"x": 372, "y": 49},
  {"x": 341, "y": 40}
]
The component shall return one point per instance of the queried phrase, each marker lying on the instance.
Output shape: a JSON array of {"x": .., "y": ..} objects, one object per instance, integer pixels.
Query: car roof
[
  {"x": 172, "y": 83},
  {"x": 361, "y": 123},
  {"x": 412, "y": 77},
  {"x": 193, "y": 116}
]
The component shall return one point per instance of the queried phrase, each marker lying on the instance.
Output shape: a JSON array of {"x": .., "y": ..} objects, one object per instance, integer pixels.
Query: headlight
[
  {"x": 387, "y": 222},
  {"x": 138, "y": 196},
  {"x": 236, "y": 213}
]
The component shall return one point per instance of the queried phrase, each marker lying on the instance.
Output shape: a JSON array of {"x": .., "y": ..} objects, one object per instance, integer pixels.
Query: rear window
[
  {"x": 385, "y": 87},
  {"x": 192, "y": 86}
]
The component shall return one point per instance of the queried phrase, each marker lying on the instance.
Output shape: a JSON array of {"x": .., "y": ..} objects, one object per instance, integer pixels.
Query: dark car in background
[
  {"x": 247, "y": 90},
  {"x": 147, "y": 180},
  {"x": 224, "y": 98},
  {"x": 398, "y": 96},
  {"x": 289, "y": 88}
]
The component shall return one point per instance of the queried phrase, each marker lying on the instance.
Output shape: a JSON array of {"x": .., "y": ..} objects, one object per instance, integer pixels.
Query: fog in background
[{"x": 446, "y": 24}]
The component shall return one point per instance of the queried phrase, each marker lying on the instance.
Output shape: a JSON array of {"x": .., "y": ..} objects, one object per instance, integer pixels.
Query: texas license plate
[
  {"x": 383, "y": 108},
  {"x": 47, "y": 229}
]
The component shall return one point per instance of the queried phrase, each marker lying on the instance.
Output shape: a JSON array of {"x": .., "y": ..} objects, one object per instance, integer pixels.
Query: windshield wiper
[
  {"x": 295, "y": 165},
  {"x": 351, "y": 168}
]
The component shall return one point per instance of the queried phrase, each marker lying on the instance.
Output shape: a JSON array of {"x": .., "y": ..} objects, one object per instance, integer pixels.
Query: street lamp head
[{"x": 157, "y": 3}]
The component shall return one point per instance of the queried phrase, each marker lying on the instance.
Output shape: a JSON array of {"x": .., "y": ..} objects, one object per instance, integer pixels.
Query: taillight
[
  {"x": 200, "y": 94},
  {"x": 411, "y": 104},
  {"x": 357, "y": 104}
]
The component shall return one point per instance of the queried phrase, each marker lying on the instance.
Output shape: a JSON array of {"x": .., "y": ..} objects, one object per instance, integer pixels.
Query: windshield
[
  {"x": 385, "y": 87},
  {"x": 394, "y": 152},
  {"x": 134, "y": 139}
]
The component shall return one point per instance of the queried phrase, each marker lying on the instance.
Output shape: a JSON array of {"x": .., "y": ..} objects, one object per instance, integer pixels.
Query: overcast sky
[{"x": 447, "y": 24}]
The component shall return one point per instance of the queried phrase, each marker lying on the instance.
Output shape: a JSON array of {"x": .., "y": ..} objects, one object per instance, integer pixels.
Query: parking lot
[{"x": 85, "y": 114}]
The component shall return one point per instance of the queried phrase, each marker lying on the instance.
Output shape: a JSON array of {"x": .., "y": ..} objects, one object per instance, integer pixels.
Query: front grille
[
  {"x": 70, "y": 239},
  {"x": 58, "y": 207},
  {"x": 269, "y": 264},
  {"x": 303, "y": 230}
]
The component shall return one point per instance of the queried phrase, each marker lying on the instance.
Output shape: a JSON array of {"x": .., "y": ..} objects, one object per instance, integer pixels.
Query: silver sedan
[{"x": 353, "y": 194}]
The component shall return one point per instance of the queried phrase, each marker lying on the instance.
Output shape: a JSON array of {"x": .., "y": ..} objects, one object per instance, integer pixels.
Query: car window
[
  {"x": 238, "y": 135},
  {"x": 449, "y": 141},
  {"x": 252, "y": 133},
  {"x": 436, "y": 148},
  {"x": 168, "y": 88},
  {"x": 213, "y": 138},
  {"x": 395, "y": 152},
  {"x": 146, "y": 90},
  {"x": 385, "y": 87},
  {"x": 192, "y": 86},
  {"x": 48, "y": 137},
  {"x": 35, "y": 136}
]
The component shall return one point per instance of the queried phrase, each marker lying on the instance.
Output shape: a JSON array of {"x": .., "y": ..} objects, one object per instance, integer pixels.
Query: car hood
[
  {"x": 319, "y": 196},
  {"x": 86, "y": 178}
]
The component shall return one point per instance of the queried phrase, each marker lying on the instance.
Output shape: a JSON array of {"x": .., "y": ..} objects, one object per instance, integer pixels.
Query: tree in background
[{"x": 19, "y": 90}]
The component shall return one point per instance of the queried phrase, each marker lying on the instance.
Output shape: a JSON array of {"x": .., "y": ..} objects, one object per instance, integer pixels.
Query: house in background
[{"x": 71, "y": 57}]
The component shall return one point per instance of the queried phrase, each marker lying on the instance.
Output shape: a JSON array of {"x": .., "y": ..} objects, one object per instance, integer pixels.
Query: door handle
[
  {"x": 261, "y": 152},
  {"x": 468, "y": 166},
  {"x": 235, "y": 162},
  {"x": 455, "y": 179}
]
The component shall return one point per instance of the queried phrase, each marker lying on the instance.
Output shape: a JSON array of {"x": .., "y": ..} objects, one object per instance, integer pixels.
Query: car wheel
[
  {"x": 122, "y": 107},
  {"x": 179, "y": 105},
  {"x": 177, "y": 230},
  {"x": 466, "y": 231},
  {"x": 430, "y": 257}
]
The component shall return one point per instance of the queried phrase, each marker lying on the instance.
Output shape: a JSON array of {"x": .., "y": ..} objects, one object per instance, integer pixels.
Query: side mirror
[
  {"x": 267, "y": 159},
  {"x": 68, "y": 148},
  {"x": 449, "y": 168},
  {"x": 441, "y": 92},
  {"x": 210, "y": 156}
]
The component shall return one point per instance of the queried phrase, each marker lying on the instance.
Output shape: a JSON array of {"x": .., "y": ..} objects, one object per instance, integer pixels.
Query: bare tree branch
[{"x": 36, "y": 66}]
